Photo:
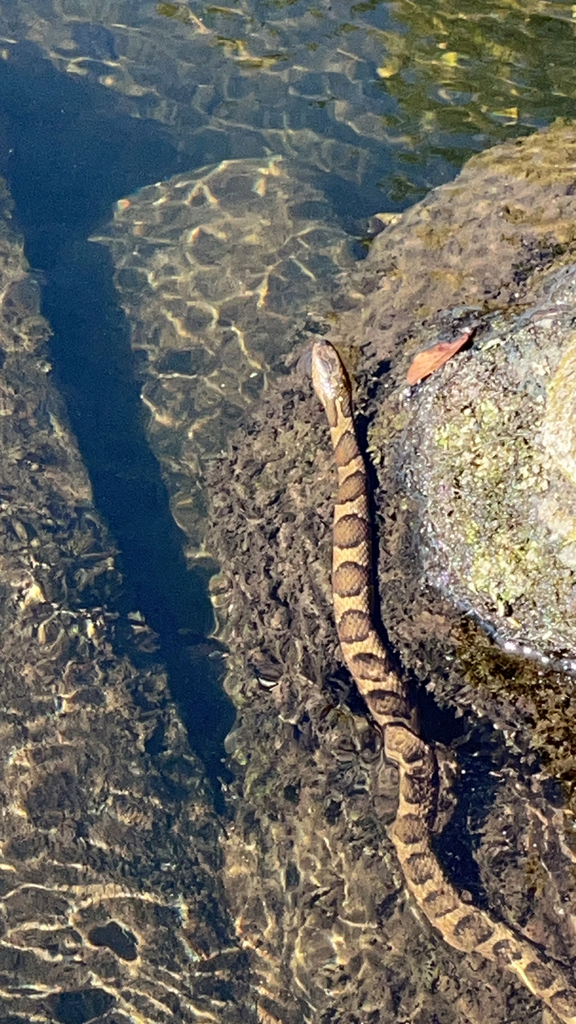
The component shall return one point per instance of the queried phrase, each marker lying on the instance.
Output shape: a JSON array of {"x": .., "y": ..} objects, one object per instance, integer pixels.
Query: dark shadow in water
[{"x": 72, "y": 153}]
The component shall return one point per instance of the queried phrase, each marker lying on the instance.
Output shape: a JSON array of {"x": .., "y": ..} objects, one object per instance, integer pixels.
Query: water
[
  {"x": 63, "y": 183},
  {"x": 382, "y": 101},
  {"x": 379, "y": 102}
]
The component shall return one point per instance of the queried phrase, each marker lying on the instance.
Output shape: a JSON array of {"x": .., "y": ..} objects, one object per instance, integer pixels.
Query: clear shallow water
[{"x": 379, "y": 102}]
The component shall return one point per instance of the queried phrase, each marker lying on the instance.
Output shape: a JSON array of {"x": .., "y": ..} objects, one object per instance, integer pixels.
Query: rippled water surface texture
[
  {"x": 120, "y": 121},
  {"x": 390, "y": 97},
  {"x": 369, "y": 104}
]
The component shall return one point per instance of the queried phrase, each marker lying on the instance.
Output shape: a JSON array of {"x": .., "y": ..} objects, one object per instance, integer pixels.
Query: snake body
[{"x": 461, "y": 925}]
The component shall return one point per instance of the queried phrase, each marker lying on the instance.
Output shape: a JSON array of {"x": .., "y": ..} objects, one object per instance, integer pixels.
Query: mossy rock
[{"x": 316, "y": 799}]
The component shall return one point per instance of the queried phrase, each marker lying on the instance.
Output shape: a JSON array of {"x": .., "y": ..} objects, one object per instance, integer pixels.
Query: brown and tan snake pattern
[{"x": 461, "y": 925}]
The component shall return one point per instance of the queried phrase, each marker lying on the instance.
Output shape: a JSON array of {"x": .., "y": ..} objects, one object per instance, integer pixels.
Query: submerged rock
[
  {"x": 216, "y": 271},
  {"x": 393, "y": 101},
  {"x": 113, "y": 906},
  {"x": 223, "y": 83}
]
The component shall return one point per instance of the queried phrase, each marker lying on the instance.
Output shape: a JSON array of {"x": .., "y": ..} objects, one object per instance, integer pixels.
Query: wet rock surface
[
  {"x": 110, "y": 873},
  {"x": 309, "y": 853},
  {"x": 499, "y": 404}
]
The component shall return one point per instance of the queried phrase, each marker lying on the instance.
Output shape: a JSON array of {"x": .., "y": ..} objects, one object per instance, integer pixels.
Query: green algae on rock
[
  {"x": 559, "y": 424},
  {"x": 490, "y": 462}
]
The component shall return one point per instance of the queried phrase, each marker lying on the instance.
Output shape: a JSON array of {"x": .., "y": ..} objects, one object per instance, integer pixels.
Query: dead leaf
[{"x": 430, "y": 359}]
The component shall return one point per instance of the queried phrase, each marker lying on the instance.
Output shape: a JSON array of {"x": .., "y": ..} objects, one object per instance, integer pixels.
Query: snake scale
[{"x": 461, "y": 925}]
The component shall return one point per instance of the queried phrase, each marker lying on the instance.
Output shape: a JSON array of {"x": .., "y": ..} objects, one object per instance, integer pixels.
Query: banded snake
[{"x": 460, "y": 924}]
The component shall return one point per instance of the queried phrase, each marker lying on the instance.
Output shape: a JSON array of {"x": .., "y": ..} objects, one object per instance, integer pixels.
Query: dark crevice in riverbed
[{"x": 68, "y": 153}]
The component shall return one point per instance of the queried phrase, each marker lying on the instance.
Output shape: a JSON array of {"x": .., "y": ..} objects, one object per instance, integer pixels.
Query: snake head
[{"x": 329, "y": 377}]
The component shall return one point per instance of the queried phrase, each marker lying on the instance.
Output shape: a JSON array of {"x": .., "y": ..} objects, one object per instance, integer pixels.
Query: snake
[{"x": 462, "y": 925}]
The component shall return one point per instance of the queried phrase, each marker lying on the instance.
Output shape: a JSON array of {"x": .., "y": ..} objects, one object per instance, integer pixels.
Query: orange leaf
[{"x": 430, "y": 359}]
